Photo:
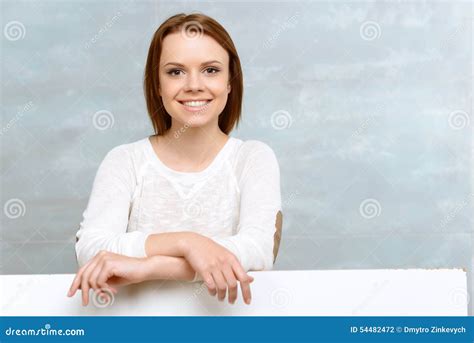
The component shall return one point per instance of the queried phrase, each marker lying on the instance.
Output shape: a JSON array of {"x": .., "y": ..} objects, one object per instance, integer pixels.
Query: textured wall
[{"x": 367, "y": 105}]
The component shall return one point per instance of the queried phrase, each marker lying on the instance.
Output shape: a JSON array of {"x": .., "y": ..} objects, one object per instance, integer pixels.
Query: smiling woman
[
  {"x": 208, "y": 56},
  {"x": 190, "y": 202}
]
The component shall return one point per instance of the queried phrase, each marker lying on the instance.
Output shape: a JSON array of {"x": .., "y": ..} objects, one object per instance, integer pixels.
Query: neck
[{"x": 196, "y": 144}]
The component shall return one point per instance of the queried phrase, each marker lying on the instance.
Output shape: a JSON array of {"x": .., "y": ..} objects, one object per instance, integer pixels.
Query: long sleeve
[
  {"x": 105, "y": 219},
  {"x": 260, "y": 203}
]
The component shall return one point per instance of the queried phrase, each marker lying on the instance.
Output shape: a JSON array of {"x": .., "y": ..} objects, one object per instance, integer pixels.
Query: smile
[{"x": 194, "y": 106}]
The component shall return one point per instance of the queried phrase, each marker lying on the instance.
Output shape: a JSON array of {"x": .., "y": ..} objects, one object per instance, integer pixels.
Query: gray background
[{"x": 368, "y": 107}]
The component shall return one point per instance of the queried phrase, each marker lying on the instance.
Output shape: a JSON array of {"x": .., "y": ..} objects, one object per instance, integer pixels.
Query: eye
[
  {"x": 214, "y": 69},
  {"x": 172, "y": 72}
]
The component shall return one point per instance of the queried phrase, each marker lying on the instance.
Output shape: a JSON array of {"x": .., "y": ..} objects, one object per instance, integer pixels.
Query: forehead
[{"x": 191, "y": 51}]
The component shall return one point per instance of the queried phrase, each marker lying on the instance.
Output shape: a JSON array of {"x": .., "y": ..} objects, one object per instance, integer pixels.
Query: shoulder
[
  {"x": 255, "y": 153},
  {"x": 256, "y": 161},
  {"x": 254, "y": 148},
  {"x": 126, "y": 155}
]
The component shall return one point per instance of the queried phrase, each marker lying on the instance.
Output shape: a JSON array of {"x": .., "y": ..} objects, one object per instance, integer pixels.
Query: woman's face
[{"x": 193, "y": 69}]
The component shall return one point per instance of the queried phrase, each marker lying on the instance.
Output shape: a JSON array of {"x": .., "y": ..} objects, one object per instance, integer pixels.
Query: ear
[
  {"x": 277, "y": 235},
  {"x": 229, "y": 88}
]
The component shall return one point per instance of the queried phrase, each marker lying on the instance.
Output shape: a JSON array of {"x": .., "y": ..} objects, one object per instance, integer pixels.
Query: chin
[{"x": 195, "y": 120}]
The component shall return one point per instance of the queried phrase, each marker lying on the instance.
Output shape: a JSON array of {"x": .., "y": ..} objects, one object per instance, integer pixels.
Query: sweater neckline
[{"x": 192, "y": 176}]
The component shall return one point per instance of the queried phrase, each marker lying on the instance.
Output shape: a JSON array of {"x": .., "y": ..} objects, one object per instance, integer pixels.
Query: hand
[
  {"x": 218, "y": 267},
  {"x": 106, "y": 270}
]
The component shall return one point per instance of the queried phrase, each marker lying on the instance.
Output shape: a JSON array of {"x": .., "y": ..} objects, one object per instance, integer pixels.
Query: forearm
[
  {"x": 170, "y": 244},
  {"x": 169, "y": 268}
]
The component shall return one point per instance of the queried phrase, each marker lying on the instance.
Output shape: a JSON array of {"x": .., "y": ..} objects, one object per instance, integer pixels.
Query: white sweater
[{"x": 234, "y": 201}]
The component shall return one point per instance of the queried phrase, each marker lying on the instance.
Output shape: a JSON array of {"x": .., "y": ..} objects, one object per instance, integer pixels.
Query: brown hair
[{"x": 201, "y": 24}]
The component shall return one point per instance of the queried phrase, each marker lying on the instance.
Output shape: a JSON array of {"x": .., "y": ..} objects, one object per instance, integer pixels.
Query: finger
[
  {"x": 85, "y": 283},
  {"x": 221, "y": 284},
  {"x": 244, "y": 279},
  {"x": 106, "y": 284},
  {"x": 101, "y": 288},
  {"x": 105, "y": 274},
  {"x": 77, "y": 280},
  {"x": 105, "y": 291},
  {"x": 210, "y": 283},
  {"x": 232, "y": 283},
  {"x": 95, "y": 274},
  {"x": 106, "y": 295}
]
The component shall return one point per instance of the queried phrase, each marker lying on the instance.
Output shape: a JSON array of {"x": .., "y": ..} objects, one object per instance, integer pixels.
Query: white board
[{"x": 400, "y": 292}]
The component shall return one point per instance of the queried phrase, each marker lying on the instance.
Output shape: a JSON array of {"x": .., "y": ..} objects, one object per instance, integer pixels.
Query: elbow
[
  {"x": 277, "y": 236},
  {"x": 80, "y": 254},
  {"x": 273, "y": 243},
  {"x": 265, "y": 259},
  {"x": 268, "y": 263},
  {"x": 84, "y": 250},
  {"x": 80, "y": 249}
]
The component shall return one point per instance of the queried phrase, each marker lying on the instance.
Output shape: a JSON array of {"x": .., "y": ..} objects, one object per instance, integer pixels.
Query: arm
[
  {"x": 169, "y": 268},
  {"x": 169, "y": 243},
  {"x": 105, "y": 219},
  {"x": 170, "y": 248},
  {"x": 257, "y": 240},
  {"x": 108, "y": 270}
]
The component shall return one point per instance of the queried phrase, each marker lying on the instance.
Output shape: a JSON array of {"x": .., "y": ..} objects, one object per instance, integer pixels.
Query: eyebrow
[{"x": 181, "y": 65}]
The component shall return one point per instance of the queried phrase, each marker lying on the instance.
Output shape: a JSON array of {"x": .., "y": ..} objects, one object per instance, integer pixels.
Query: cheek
[
  {"x": 169, "y": 89},
  {"x": 219, "y": 88}
]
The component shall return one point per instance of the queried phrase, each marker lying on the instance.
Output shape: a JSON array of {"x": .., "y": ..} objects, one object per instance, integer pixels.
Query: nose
[{"x": 194, "y": 82}]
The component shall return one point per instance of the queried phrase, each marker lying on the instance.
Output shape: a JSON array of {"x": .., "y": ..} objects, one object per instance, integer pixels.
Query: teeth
[{"x": 195, "y": 103}]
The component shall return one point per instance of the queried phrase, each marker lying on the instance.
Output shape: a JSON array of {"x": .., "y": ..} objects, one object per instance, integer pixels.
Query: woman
[{"x": 190, "y": 202}]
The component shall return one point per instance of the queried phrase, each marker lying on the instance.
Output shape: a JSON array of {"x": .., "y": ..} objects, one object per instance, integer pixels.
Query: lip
[
  {"x": 194, "y": 109},
  {"x": 184, "y": 100}
]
